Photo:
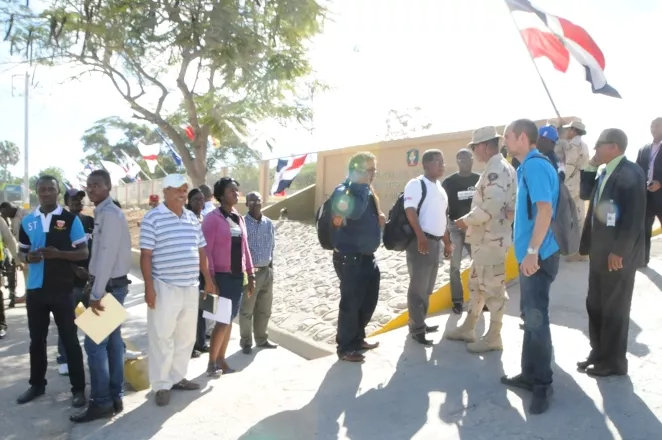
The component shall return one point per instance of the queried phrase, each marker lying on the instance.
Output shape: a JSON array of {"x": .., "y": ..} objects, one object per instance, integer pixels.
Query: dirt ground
[{"x": 133, "y": 216}]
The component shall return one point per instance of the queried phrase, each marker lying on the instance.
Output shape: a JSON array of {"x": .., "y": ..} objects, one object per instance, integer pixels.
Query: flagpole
[
  {"x": 542, "y": 80},
  {"x": 161, "y": 168}
]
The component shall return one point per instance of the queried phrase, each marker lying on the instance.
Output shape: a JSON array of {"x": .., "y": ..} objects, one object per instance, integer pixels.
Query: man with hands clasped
[
  {"x": 614, "y": 237},
  {"x": 50, "y": 239},
  {"x": 489, "y": 233},
  {"x": 423, "y": 253}
]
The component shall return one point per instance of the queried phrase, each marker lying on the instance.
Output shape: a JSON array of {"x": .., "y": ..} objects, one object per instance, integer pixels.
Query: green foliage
[
  {"x": 233, "y": 62},
  {"x": 9, "y": 156}
]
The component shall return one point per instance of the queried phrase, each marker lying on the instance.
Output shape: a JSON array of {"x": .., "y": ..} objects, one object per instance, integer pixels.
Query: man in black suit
[
  {"x": 614, "y": 238},
  {"x": 651, "y": 163}
]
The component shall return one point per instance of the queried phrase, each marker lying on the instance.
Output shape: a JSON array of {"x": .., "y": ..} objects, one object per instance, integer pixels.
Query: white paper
[
  {"x": 223, "y": 311},
  {"x": 99, "y": 327},
  {"x": 611, "y": 219},
  {"x": 465, "y": 195}
]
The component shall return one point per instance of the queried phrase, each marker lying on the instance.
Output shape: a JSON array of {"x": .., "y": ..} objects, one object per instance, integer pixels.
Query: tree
[
  {"x": 407, "y": 123},
  {"x": 9, "y": 156},
  {"x": 56, "y": 172},
  {"x": 233, "y": 62},
  {"x": 98, "y": 147}
]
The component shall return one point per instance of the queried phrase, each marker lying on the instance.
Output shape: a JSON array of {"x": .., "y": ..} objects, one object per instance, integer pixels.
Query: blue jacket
[{"x": 360, "y": 232}]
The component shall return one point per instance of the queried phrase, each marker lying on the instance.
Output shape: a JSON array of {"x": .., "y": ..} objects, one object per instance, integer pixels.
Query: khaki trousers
[{"x": 171, "y": 328}]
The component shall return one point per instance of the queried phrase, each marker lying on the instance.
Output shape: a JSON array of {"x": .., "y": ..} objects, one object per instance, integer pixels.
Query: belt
[
  {"x": 262, "y": 267},
  {"x": 432, "y": 237},
  {"x": 114, "y": 282}
]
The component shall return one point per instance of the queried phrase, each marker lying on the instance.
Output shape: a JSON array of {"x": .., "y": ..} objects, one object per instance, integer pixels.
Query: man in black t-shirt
[
  {"x": 460, "y": 189},
  {"x": 73, "y": 199}
]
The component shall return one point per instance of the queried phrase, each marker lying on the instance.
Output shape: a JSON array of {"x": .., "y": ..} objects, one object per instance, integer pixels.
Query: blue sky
[{"x": 461, "y": 61}]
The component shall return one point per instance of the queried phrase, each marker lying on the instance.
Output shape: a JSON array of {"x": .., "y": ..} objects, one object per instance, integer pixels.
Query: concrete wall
[
  {"x": 394, "y": 168},
  {"x": 298, "y": 206}
]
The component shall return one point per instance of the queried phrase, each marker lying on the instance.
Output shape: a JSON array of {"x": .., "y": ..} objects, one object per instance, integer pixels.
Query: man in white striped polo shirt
[{"x": 171, "y": 259}]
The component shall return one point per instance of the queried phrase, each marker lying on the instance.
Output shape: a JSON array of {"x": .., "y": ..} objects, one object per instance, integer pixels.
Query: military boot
[
  {"x": 490, "y": 342},
  {"x": 467, "y": 331}
]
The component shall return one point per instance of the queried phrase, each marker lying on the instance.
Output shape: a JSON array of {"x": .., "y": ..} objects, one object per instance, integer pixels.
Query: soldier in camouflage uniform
[
  {"x": 489, "y": 231},
  {"x": 575, "y": 156}
]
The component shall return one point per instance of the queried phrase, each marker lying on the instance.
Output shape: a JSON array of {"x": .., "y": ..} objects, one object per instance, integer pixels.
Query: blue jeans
[
  {"x": 106, "y": 362},
  {"x": 537, "y": 346},
  {"x": 76, "y": 297}
]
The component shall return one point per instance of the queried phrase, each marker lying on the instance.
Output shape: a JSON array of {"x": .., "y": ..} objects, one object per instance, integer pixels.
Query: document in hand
[
  {"x": 209, "y": 303},
  {"x": 99, "y": 327},
  {"x": 223, "y": 311}
]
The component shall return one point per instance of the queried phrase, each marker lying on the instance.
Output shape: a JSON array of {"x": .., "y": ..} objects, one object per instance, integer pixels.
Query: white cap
[{"x": 174, "y": 181}]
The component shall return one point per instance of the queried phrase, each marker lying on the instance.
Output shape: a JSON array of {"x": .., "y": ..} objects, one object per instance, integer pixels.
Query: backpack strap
[
  {"x": 529, "y": 204},
  {"x": 424, "y": 192}
]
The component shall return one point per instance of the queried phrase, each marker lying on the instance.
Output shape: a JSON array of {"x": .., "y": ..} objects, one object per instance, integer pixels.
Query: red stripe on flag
[
  {"x": 577, "y": 34},
  {"x": 152, "y": 157},
  {"x": 546, "y": 44},
  {"x": 297, "y": 162}
]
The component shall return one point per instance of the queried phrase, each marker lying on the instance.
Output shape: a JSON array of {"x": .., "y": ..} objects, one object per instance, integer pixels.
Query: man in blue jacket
[{"x": 357, "y": 223}]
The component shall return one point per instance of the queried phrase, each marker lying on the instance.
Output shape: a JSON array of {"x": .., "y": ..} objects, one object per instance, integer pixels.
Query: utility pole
[{"x": 26, "y": 173}]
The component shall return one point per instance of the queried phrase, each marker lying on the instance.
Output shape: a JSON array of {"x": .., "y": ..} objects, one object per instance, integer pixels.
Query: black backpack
[
  {"x": 324, "y": 225},
  {"x": 565, "y": 224},
  {"x": 398, "y": 232}
]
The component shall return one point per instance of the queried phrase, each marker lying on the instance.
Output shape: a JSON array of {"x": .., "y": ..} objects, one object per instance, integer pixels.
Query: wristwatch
[{"x": 532, "y": 251}]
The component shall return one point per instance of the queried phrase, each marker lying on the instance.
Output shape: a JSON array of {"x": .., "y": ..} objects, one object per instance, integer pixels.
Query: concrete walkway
[{"x": 402, "y": 391}]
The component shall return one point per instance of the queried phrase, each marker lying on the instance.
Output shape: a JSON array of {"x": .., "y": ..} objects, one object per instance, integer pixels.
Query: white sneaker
[{"x": 63, "y": 369}]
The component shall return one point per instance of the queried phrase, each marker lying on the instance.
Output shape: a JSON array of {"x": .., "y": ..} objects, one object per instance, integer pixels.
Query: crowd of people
[
  {"x": 515, "y": 200},
  {"x": 191, "y": 248}
]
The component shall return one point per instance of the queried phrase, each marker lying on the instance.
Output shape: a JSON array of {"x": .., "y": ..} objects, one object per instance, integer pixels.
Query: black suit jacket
[
  {"x": 624, "y": 195},
  {"x": 643, "y": 160}
]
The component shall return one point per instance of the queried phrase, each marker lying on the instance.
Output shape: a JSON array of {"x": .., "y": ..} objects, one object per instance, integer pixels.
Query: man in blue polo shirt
[
  {"x": 537, "y": 252},
  {"x": 49, "y": 240}
]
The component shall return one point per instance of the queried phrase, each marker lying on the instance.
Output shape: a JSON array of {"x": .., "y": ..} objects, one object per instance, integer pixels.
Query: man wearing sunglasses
[{"x": 614, "y": 237}]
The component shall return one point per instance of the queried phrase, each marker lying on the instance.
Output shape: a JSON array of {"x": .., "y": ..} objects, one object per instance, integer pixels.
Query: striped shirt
[
  {"x": 261, "y": 239},
  {"x": 175, "y": 243}
]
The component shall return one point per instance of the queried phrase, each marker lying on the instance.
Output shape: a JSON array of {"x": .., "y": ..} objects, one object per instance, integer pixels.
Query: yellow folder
[{"x": 99, "y": 327}]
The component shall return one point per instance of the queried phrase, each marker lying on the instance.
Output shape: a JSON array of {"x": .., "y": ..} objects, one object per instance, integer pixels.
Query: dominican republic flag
[
  {"x": 559, "y": 40},
  {"x": 150, "y": 154},
  {"x": 286, "y": 171}
]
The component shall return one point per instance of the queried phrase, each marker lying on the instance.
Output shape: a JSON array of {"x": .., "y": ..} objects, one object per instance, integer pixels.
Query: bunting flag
[
  {"x": 559, "y": 40},
  {"x": 150, "y": 154},
  {"x": 286, "y": 171},
  {"x": 117, "y": 173},
  {"x": 134, "y": 169},
  {"x": 173, "y": 153}
]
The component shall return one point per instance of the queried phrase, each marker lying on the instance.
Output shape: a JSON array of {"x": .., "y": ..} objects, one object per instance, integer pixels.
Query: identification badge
[{"x": 611, "y": 219}]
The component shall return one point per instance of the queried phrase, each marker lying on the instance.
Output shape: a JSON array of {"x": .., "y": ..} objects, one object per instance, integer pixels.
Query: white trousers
[{"x": 171, "y": 327}]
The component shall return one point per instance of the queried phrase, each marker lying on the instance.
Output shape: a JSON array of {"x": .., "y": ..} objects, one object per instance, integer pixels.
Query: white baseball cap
[{"x": 174, "y": 181}]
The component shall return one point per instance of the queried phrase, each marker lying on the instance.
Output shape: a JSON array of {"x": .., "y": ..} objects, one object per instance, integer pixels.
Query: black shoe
[
  {"x": 421, "y": 339},
  {"x": 31, "y": 394},
  {"x": 246, "y": 349},
  {"x": 196, "y": 354},
  {"x": 431, "y": 328},
  {"x": 93, "y": 412},
  {"x": 517, "y": 382},
  {"x": 540, "y": 401},
  {"x": 485, "y": 309},
  {"x": 118, "y": 406},
  {"x": 268, "y": 345},
  {"x": 457, "y": 308},
  {"x": 203, "y": 349},
  {"x": 604, "y": 371},
  {"x": 12, "y": 303},
  {"x": 79, "y": 400},
  {"x": 352, "y": 356},
  {"x": 583, "y": 365},
  {"x": 3, "y": 333}
]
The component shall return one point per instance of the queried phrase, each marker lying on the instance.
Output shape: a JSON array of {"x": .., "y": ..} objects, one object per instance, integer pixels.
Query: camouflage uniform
[{"x": 490, "y": 235}]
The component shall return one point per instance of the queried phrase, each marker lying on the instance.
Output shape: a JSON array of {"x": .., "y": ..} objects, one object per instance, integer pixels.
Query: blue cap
[{"x": 550, "y": 132}]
